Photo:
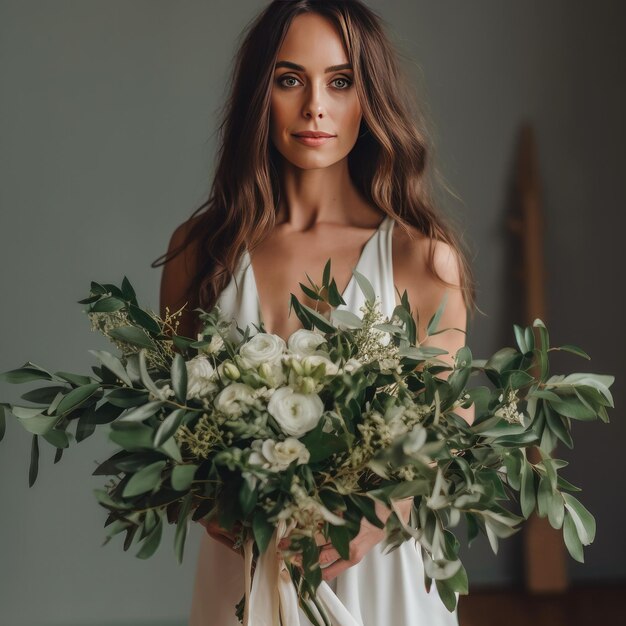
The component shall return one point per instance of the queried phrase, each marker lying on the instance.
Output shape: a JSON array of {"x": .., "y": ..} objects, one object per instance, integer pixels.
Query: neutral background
[{"x": 107, "y": 136}]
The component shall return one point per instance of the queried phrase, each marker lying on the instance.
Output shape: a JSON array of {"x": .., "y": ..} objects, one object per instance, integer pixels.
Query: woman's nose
[{"x": 314, "y": 105}]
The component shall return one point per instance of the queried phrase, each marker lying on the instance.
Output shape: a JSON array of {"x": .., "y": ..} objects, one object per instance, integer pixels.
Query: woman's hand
[
  {"x": 369, "y": 535},
  {"x": 220, "y": 534}
]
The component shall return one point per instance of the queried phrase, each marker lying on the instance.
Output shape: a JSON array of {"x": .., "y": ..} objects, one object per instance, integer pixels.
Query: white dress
[{"x": 380, "y": 590}]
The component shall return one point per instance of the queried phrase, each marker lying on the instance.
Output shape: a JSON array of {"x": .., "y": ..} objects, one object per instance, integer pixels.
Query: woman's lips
[{"x": 312, "y": 141}]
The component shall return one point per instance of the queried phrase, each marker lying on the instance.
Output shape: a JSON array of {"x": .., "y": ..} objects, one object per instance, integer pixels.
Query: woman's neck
[{"x": 315, "y": 196}]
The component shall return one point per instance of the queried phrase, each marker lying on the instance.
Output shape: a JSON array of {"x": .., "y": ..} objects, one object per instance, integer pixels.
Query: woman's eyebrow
[{"x": 295, "y": 66}]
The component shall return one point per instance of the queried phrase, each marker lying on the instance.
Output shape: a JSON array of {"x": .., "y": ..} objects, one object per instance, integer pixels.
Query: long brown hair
[{"x": 387, "y": 163}]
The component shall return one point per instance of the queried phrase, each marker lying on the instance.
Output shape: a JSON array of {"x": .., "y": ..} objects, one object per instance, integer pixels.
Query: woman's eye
[
  {"x": 281, "y": 81},
  {"x": 347, "y": 82}
]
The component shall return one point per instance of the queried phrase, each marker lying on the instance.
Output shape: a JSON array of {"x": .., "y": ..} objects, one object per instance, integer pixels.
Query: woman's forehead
[{"x": 313, "y": 42}]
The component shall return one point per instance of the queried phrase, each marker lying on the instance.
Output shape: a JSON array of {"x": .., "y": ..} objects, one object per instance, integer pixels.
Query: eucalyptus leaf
[
  {"x": 114, "y": 364},
  {"x": 179, "y": 378},
  {"x": 169, "y": 426},
  {"x": 182, "y": 476},
  {"x": 76, "y": 397},
  {"x": 144, "y": 480}
]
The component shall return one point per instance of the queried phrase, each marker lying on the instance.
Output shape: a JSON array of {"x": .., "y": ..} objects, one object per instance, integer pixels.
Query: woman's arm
[
  {"x": 426, "y": 294},
  {"x": 454, "y": 314},
  {"x": 175, "y": 279}
]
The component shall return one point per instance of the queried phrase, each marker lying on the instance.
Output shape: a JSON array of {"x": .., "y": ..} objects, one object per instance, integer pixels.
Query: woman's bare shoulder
[
  {"x": 179, "y": 270},
  {"x": 411, "y": 251},
  {"x": 413, "y": 274}
]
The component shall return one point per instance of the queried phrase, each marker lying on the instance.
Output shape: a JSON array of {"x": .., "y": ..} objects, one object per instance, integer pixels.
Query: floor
[{"x": 580, "y": 606}]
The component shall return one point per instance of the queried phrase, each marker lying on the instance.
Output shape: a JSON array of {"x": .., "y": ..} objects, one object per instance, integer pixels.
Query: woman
[{"x": 284, "y": 200}]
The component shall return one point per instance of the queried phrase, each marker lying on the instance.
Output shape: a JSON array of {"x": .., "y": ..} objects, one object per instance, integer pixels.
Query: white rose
[
  {"x": 296, "y": 413},
  {"x": 309, "y": 363},
  {"x": 230, "y": 398},
  {"x": 305, "y": 342},
  {"x": 278, "y": 455},
  {"x": 263, "y": 348},
  {"x": 200, "y": 377}
]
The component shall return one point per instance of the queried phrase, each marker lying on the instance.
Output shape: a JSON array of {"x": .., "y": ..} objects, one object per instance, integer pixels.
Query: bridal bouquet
[{"x": 289, "y": 439}]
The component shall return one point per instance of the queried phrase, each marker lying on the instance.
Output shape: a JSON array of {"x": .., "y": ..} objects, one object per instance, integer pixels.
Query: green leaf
[
  {"x": 527, "y": 490},
  {"x": 37, "y": 424},
  {"x": 57, "y": 438},
  {"x": 247, "y": 497},
  {"x": 571, "y": 406},
  {"x": 347, "y": 318},
  {"x": 572, "y": 541},
  {"x": 182, "y": 476},
  {"x": 181, "y": 527},
  {"x": 135, "y": 436},
  {"x": 318, "y": 320},
  {"x": 575, "y": 350},
  {"x": 24, "y": 375},
  {"x": 326, "y": 274},
  {"x": 544, "y": 495},
  {"x": 520, "y": 338},
  {"x": 76, "y": 397},
  {"x": 502, "y": 359},
  {"x": 557, "y": 425},
  {"x": 128, "y": 291},
  {"x": 367, "y": 506},
  {"x": 133, "y": 335},
  {"x": 447, "y": 595},
  {"x": 34, "y": 461},
  {"x": 142, "y": 412},
  {"x": 179, "y": 378},
  {"x": 309, "y": 292},
  {"x": 151, "y": 542},
  {"x": 145, "y": 376},
  {"x": 434, "y": 320},
  {"x": 145, "y": 320},
  {"x": 169, "y": 426},
  {"x": 144, "y": 480},
  {"x": 365, "y": 286},
  {"x": 113, "y": 364},
  {"x": 583, "y": 520},
  {"x": 340, "y": 538},
  {"x": 3, "y": 423},
  {"x": 262, "y": 530},
  {"x": 43, "y": 395},
  {"x": 556, "y": 510},
  {"x": 74, "y": 379},
  {"x": 170, "y": 447},
  {"x": 107, "y": 305}
]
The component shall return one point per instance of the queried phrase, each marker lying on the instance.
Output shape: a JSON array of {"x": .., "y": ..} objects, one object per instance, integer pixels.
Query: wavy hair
[{"x": 388, "y": 163}]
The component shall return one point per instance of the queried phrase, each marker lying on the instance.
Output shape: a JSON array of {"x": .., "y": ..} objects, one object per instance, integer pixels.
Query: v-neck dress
[{"x": 380, "y": 590}]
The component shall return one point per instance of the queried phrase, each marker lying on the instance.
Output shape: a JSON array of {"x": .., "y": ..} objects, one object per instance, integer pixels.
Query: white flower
[
  {"x": 216, "y": 343},
  {"x": 296, "y": 413},
  {"x": 305, "y": 342},
  {"x": 509, "y": 411},
  {"x": 310, "y": 362},
  {"x": 278, "y": 455},
  {"x": 272, "y": 373},
  {"x": 164, "y": 393},
  {"x": 200, "y": 377},
  {"x": 230, "y": 398},
  {"x": 352, "y": 364},
  {"x": 263, "y": 348}
]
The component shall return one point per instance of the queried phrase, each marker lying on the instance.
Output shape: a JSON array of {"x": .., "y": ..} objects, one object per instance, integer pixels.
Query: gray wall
[{"x": 107, "y": 120}]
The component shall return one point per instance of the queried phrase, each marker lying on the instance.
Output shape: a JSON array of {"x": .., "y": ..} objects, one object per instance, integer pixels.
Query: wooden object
[{"x": 544, "y": 551}]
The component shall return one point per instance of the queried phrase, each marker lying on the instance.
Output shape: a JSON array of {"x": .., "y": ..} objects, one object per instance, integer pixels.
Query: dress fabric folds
[{"x": 380, "y": 590}]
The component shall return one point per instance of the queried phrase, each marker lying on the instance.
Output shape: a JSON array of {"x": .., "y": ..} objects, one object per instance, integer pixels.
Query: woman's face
[{"x": 316, "y": 96}]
